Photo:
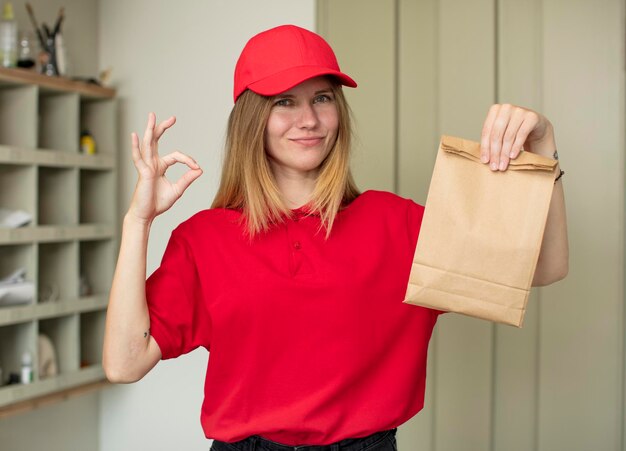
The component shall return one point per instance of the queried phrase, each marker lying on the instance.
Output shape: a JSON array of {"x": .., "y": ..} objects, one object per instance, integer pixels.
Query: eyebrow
[{"x": 321, "y": 91}]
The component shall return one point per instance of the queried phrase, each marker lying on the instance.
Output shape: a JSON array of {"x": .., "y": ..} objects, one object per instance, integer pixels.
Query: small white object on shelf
[
  {"x": 15, "y": 289},
  {"x": 14, "y": 218},
  {"x": 19, "y": 275},
  {"x": 27, "y": 368}
]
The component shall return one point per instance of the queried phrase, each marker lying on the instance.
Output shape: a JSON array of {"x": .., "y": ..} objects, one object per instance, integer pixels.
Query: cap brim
[{"x": 285, "y": 80}]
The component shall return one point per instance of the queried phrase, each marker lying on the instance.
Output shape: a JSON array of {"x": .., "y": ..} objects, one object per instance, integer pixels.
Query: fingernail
[
  {"x": 494, "y": 166},
  {"x": 512, "y": 154},
  {"x": 502, "y": 165},
  {"x": 484, "y": 158}
]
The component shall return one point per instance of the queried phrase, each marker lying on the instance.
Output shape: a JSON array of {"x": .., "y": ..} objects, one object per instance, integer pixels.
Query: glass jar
[{"x": 26, "y": 50}]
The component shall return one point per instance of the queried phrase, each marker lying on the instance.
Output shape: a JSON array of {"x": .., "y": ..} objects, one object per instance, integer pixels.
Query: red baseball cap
[{"x": 278, "y": 59}]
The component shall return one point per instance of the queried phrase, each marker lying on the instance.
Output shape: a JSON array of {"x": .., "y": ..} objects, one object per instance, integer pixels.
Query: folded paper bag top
[{"x": 481, "y": 233}]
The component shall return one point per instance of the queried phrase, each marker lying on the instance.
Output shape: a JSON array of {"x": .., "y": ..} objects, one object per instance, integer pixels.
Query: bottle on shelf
[
  {"x": 27, "y": 368},
  {"x": 8, "y": 37},
  {"x": 87, "y": 143}
]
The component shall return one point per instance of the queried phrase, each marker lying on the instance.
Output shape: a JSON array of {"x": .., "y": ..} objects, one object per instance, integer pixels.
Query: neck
[{"x": 296, "y": 188}]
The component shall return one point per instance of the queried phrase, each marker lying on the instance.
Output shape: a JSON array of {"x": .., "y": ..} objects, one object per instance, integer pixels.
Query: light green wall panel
[
  {"x": 418, "y": 137},
  {"x": 362, "y": 33},
  {"x": 464, "y": 351},
  {"x": 516, "y": 351},
  {"x": 582, "y": 318}
]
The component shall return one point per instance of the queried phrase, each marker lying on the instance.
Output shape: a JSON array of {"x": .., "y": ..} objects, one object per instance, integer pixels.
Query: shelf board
[
  {"x": 55, "y": 233},
  {"x": 23, "y": 313},
  {"x": 9, "y": 76},
  {"x": 23, "y": 397},
  {"x": 55, "y": 158}
]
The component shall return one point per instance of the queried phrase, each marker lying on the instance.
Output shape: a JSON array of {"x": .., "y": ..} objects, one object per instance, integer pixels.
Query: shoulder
[
  {"x": 209, "y": 222},
  {"x": 389, "y": 212},
  {"x": 384, "y": 201}
]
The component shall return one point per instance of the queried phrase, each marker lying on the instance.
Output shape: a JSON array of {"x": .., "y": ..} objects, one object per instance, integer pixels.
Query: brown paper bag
[{"x": 481, "y": 233}]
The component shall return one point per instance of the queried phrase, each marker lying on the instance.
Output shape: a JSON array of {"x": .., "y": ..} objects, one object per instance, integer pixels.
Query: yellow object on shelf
[{"x": 87, "y": 143}]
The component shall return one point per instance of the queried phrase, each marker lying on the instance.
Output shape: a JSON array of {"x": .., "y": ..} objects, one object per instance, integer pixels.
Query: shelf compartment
[
  {"x": 58, "y": 268},
  {"x": 15, "y": 256},
  {"x": 98, "y": 201},
  {"x": 58, "y": 121},
  {"x": 15, "y": 340},
  {"x": 18, "y": 116},
  {"x": 91, "y": 338},
  {"x": 58, "y": 196},
  {"x": 17, "y": 189},
  {"x": 97, "y": 262},
  {"x": 63, "y": 332},
  {"x": 99, "y": 117}
]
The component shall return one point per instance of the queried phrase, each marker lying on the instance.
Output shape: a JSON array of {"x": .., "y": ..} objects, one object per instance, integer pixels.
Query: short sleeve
[
  {"x": 179, "y": 320},
  {"x": 415, "y": 216}
]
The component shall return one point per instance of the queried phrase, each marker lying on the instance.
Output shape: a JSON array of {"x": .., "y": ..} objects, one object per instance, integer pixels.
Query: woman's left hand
[{"x": 508, "y": 129}]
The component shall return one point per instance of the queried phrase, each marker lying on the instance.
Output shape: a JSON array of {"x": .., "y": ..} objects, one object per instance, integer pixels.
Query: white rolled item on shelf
[
  {"x": 17, "y": 293},
  {"x": 47, "y": 365}
]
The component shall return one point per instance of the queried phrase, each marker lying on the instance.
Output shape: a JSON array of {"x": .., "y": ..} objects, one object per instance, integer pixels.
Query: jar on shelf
[{"x": 26, "y": 54}]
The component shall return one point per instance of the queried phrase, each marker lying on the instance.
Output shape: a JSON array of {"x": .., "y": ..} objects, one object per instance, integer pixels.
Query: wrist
[{"x": 134, "y": 221}]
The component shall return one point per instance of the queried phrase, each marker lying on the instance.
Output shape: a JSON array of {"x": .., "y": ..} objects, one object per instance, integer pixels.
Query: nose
[{"x": 307, "y": 116}]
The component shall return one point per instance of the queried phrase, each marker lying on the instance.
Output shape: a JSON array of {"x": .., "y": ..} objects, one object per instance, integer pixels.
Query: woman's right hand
[{"x": 154, "y": 193}]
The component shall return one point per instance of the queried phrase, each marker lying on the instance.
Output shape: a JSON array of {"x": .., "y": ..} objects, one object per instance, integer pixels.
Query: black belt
[{"x": 258, "y": 443}]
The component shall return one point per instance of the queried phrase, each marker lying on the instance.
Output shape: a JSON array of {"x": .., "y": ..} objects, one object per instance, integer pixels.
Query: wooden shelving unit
[{"x": 72, "y": 198}]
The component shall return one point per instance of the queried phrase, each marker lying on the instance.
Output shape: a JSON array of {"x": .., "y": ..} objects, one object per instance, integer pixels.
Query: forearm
[
  {"x": 129, "y": 351},
  {"x": 553, "y": 262}
]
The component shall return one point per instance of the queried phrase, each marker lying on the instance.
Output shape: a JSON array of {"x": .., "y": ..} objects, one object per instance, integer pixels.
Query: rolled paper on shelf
[{"x": 47, "y": 357}]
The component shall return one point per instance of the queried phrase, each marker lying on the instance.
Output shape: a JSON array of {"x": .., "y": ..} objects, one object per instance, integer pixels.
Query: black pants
[{"x": 380, "y": 441}]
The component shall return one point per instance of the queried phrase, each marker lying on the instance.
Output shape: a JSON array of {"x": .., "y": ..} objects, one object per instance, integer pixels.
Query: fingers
[
  {"x": 505, "y": 130},
  {"x": 485, "y": 137},
  {"x": 153, "y": 132},
  {"x": 509, "y": 139},
  {"x": 497, "y": 134},
  {"x": 187, "y": 179},
  {"x": 147, "y": 137},
  {"x": 160, "y": 129},
  {"x": 530, "y": 122},
  {"x": 179, "y": 157},
  {"x": 136, "y": 152}
]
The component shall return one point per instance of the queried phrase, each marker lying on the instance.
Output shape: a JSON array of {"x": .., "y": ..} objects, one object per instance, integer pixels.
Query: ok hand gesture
[{"x": 154, "y": 193}]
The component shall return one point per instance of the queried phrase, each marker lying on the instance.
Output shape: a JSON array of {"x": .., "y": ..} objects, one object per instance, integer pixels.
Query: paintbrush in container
[
  {"x": 31, "y": 14},
  {"x": 57, "y": 25}
]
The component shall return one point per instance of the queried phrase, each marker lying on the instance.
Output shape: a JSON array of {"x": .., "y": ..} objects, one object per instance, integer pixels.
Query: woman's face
[{"x": 302, "y": 129}]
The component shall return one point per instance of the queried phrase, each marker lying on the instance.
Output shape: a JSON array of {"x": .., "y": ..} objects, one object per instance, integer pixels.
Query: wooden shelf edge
[
  {"x": 16, "y": 155},
  {"x": 53, "y": 398},
  {"x": 11, "y": 315},
  {"x": 61, "y": 84},
  {"x": 56, "y": 233}
]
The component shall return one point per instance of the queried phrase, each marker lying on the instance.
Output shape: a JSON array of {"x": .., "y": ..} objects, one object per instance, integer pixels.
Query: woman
[{"x": 293, "y": 279}]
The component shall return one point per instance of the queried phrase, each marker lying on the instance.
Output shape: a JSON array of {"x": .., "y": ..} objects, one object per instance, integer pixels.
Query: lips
[{"x": 307, "y": 142}]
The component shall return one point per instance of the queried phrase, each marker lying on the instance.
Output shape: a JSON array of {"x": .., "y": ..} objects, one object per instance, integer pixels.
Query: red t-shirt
[{"x": 310, "y": 342}]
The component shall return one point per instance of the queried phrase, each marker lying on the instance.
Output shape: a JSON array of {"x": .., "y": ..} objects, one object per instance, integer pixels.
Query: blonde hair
[{"x": 248, "y": 183}]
